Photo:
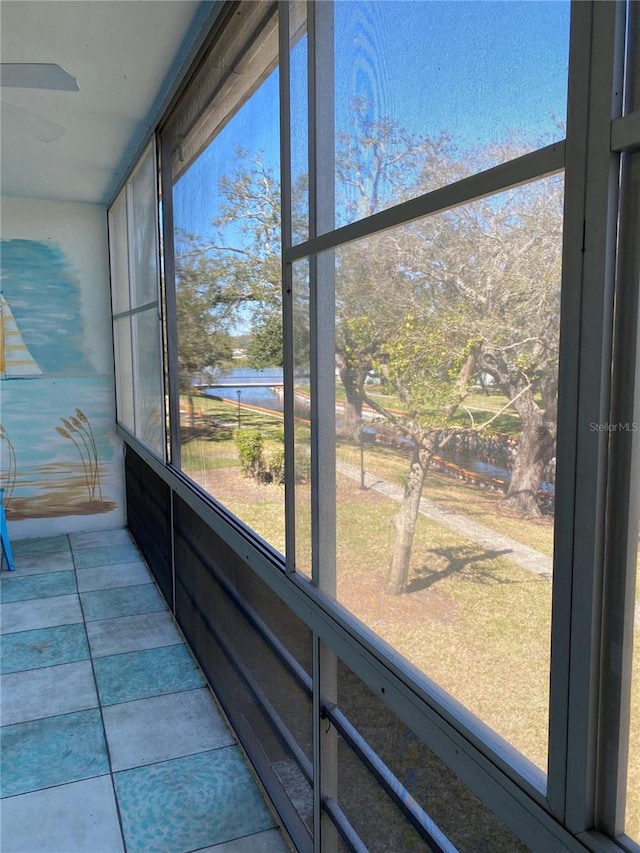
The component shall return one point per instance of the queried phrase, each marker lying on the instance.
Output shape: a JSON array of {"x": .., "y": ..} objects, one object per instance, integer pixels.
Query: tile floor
[{"x": 111, "y": 740}]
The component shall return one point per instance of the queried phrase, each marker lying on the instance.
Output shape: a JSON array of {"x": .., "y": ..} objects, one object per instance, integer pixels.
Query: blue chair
[{"x": 4, "y": 535}]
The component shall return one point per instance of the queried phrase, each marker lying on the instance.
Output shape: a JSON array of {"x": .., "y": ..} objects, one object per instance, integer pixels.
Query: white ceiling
[{"x": 124, "y": 54}]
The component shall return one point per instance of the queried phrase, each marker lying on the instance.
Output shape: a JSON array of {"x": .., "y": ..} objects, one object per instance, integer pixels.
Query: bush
[
  {"x": 249, "y": 443},
  {"x": 275, "y": 465},
  {"x": 250, "y": 446}
]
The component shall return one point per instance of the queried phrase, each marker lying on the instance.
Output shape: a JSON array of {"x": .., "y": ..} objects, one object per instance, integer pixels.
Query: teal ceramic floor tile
[
  {"x": 107, "y": 555},
  {"x": 152, "y": 672},
  {"x": 52, "y": 751},
  {"x": 124, "y": 601},
  {"x": 17, "y": 588},
  {"x": 39, "y": 613},
  {"x": 132, "y": 633},
  {"x": 37, "y": 564},
  {"x": 211, "y": 798},
  {"x": 269, "y": 841},
  {"x": 43, "y": 647},
  {"x": 43, "y": 545},
  {"x": 111, "y": 577},
  {"x": 100, "y": 538},
  {"x": 80, "y": 817}
]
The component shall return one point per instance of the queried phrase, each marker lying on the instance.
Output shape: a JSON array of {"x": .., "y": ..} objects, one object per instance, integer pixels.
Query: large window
[
  {"x": 434, "y": 337},
  {"x": 401, "y": 258},
  {"x": 223, "y": 173},
  {"x": 426, "y": 93},
  {"x": 447, "y": 344},
  {"x": 133, "y": 237}
]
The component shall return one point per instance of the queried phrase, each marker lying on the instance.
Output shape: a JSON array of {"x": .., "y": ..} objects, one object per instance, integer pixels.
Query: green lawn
[
  {"x": 477, "y": 410},
  {"x": 474, "y": 622}
]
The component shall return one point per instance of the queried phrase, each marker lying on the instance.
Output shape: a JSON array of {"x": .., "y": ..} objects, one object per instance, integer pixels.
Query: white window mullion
[
  {"x": 625, "y": 132},
  {"x": 320, "y": 21},
  {"x": 158, "y": 306},
  {"x": 621, "y": 554},
  {"x": 322, "y": 290},
  {"x": 287, "y": 283},
  {"x": 536, "y": 164},
  {"x": 622, "y": 524},
  {"x": 586, "y": 321},
  {"x": 133, "y": 323},
  {"x": 171, "y": 324},
  {"x": 132, "y": 332}
]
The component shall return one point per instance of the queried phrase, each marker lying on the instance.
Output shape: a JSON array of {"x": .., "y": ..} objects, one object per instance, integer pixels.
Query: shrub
[
  {"x": 303, "y": 464},
  {"x": 275, "y": 465},
  {"x": 249, "y": 444}
]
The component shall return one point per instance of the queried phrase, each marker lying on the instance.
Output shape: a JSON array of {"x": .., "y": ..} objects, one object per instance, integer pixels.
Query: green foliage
[
  {"x": 359, "y": 334},
  {"x": 275, "y": 465},
  {"x": 424, "y": 360},
  {"x": 267, "y": 468},
  {"x": 265, "y": 344},
  {"x": 249, "y": 443},
  {"x": 203, "y": 319},
  {"x": 302, "y": 464}
]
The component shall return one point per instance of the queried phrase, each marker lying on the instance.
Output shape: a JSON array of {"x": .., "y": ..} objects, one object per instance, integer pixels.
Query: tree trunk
[
  {"x": 535, "y": 449},
  {"x": 192, "y": 413},
  {"x": 352, "y": 382},
  {"x": 405, "y": 521}
]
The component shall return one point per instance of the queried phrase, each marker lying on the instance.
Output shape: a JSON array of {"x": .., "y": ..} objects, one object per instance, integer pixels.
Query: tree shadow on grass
[{"x": 463, "y": 561}]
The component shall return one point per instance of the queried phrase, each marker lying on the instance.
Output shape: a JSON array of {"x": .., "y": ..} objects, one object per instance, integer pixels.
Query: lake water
[{"x": 254, "y": 389}]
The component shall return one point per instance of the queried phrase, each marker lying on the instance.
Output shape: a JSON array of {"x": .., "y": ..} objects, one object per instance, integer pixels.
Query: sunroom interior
[{"x": 328, "y": 312}]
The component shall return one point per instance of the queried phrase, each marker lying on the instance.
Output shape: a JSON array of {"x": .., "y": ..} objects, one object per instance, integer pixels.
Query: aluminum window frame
[
  {"x": 131, "y": 312},
  {"x": 578, "y": 804},
  {"x": 532, "y": 166},
  {"x": 595, "y": 115},
  {"x": 621, "y": 535}
]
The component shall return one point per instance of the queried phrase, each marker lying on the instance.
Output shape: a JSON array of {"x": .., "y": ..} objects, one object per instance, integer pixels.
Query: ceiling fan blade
[
  {"x": 27, "y": 121},
  {"x": 37, "y": 75}
]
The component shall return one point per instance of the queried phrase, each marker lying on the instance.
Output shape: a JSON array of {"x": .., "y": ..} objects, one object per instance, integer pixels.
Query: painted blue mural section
[
  {"x": 33, "y": 408},
  {"x": 44, "y": 297},
  {"x": 56, "y": 435}
]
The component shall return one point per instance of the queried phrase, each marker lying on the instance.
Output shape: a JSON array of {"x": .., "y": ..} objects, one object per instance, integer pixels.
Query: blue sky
[
  {"x": 255, "y": 127},
  {"x": 475, "y": 69}
]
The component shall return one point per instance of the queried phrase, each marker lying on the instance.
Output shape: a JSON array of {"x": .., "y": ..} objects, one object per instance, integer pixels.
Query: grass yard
[
  {"x": 471, "y": 620},
  {"x": 476, "y": 410},
  {"x": 486, "y": 508},
  {"x": 633, "y": 779}
]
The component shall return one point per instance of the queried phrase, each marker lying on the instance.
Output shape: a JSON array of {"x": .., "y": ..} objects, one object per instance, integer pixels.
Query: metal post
[{"x": 238, "y": 392}]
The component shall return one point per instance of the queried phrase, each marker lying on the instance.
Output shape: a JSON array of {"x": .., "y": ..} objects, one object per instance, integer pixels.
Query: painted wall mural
[{"x": 59, "y": 455}]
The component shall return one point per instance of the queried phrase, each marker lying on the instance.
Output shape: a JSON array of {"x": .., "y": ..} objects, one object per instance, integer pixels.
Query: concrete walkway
[
  {"x": 527, "y": 558},
  {"x": 523, "y": 556}
]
